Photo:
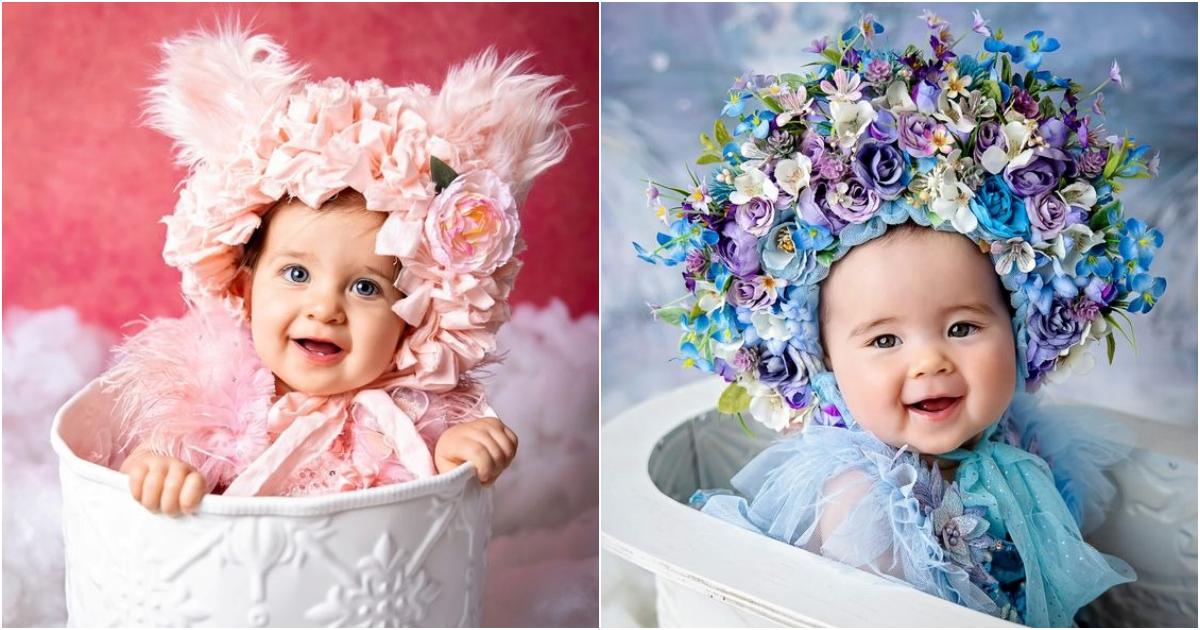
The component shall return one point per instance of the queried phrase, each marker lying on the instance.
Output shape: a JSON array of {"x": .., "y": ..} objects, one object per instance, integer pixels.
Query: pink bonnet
[{"x": 450, "y": 168}]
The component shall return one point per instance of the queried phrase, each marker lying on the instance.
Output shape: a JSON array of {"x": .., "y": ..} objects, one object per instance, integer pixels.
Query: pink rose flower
[{"x": 472, "y": 225}]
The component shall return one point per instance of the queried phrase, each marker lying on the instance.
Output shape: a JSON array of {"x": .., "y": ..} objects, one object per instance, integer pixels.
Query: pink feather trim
[{"x": 194, "y": 388}]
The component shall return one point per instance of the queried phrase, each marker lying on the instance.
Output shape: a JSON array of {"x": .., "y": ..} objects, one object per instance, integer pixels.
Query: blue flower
[
  {"x": 1139, "y": 241},
  {"x": 1001, "y": 213},
  {"x": 759, "y": 122},
  {"x": 1031, "y": 53},
  {"x": 1039, "y": 294},
  {"x": 692, "y": 358},
  {"x": 813, "y": 237},
  {"x": 735, "y": 103},
  {"x": 680, "y": 237},
  {"x": 1148, "y": 290},
  {"x": 698, "y": 325},
  {"x": 1095, "y": 262}
]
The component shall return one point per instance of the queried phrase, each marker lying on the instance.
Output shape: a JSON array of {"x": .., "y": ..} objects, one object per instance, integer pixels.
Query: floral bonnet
[
  {"x": 449, "y": 168},
  {"x": 989, "y": 146}
]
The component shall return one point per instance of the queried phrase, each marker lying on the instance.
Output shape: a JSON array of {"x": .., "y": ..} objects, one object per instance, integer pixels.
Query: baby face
[
  {"x": 917, "y": 332},
  {"x": 320, "y": 300}
]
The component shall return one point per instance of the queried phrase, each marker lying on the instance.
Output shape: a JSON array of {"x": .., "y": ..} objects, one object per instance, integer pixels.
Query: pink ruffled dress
[{"x": 194, "y": 388}]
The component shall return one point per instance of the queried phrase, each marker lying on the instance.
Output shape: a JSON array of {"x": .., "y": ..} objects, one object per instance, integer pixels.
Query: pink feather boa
[{"x": 194, "y": 388}]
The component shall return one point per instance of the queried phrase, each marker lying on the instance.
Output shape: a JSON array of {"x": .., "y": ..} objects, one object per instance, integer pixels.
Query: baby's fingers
[
  {"x": 152, "y": 487},
  {"x": 137, "y": 477},
  {"x": 172, "y": 486},
  {"x": 193, "y": 491},
  {"x": 484, "y": 462}
]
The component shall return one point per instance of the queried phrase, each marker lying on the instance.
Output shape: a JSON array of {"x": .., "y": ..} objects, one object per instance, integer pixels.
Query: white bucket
[
  {"x": 711, "y": 573},
  {"x": 412, "y": 554}
]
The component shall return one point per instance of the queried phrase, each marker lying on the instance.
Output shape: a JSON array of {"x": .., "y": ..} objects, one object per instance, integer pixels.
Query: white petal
[
  {"x": 964, "y": 220},
  {"x": 994, "y": 159},
  {"x": 1024, "y": 258},
  {"x": 1004, "y": 265}
]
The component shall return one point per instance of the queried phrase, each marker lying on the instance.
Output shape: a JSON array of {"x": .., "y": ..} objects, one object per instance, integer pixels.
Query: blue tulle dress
[{"x": 1004, "y": 538}]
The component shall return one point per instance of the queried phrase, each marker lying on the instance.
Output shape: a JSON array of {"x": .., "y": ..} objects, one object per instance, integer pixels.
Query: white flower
[
  {"x": 769, "y": 325},
  {"x": 793, "y": 104},
  {"x": 1014, "y": 250},
  {"x": 1072, "y": 243},
  {"x": 1016, "y": 135},
  {"x": 769, "y": 408},
  {"x": 850, "y": 120},
  {"x": 897, "y": 99},
  {"x": 954, "y": 85},
  {"x": 1080, "y": 194},
  {"x": 794, "y": 174},
  {"x": 753, "y": 183},
  {"x": 954, "y": 201},
  {"x": 755, "y": 157},
  {"x": 1077, "y": 359},
  {"x": 952, "y": 112}
]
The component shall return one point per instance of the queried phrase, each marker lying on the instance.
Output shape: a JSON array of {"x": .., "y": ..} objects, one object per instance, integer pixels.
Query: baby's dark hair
[{"x": 348, "y": 200}]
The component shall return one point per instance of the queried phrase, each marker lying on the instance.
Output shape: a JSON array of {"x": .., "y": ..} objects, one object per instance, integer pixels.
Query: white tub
[
  {"x": 711, "y": 573},
  {"x": 412, "y": 554}
]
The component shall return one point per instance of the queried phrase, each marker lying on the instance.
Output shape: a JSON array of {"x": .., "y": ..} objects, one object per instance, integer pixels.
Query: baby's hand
[
  {"x": 486, "y": 443},
  {"x": 159, "y": 481}
]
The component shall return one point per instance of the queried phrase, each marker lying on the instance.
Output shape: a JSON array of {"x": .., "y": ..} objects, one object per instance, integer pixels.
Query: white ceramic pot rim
[{"x": 264, "y": 506}]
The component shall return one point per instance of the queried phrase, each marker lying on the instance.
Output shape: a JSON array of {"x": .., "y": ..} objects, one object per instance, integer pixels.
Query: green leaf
[
  {"x": 825, "y": 258},
  {"x": 772, "y": 104},
  {"x": 1046, "y": 107},
  {"x": 721, "y": 133},
  {"x": 708, "y": 145},
  {"x": 671, "y": 315},
  {"x": 792, "y": 80},
  {"x": 734, "y": 400},
  {"x": 991, "y": 89},
  {"x": 832, "y": 55},
  {"x": 1112, "y": 347},
  {"x": 1005, "y": 69},
  {"x": 441, "y": 173},
  {"x": 708, "y": 158}
]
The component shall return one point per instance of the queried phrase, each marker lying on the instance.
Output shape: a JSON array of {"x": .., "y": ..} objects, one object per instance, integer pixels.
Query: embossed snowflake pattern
[{"x": 389, "y": 593}]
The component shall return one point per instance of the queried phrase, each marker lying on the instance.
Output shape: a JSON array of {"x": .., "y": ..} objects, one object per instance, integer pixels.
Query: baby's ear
[
  {"x": 239, "y": 289},
  {"x": 511, "y": 121},
  {"x": 214, "y": 89}
]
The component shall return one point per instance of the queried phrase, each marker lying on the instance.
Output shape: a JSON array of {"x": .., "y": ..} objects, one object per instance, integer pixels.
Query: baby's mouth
[
  {"x": 934, "y": 405},
  {"x": 320, "y": 348}
]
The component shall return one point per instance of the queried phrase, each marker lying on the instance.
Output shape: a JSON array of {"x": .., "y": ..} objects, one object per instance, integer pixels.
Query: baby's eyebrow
[
  {"x": 869, "y": 325},
  {"x": 978, "y": 308},
  {"x": 291, "y": 253}
]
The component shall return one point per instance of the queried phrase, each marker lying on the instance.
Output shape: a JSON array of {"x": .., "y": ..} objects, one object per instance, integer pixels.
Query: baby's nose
[
  {"x": 326, "y": 309},
  {"x": 930, "y": 361}
]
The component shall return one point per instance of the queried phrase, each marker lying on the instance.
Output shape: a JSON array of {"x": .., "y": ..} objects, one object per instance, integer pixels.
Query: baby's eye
[
  {"x": 962, "y": 329},
  {"x": 295, "y": 273},
  {"x": 885, "y": 341},
  {"x": 366, "y": 288}
]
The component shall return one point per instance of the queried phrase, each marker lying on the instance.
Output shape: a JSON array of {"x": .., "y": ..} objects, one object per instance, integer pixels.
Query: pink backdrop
[{"x": 84, "y": 185}]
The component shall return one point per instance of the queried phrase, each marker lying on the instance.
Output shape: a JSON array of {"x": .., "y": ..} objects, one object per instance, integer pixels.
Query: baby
[
  {"x": 918, "y": 330},
  {"x": 318, "y": 301},
  {"x": 886, "y": 252},
  {"x": 347, "y": 253}
]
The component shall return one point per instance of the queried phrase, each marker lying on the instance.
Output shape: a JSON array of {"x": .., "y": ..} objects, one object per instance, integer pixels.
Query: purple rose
[
  {"x": 830, "y": 167},
  {"x": 988, "y": 135},
  {"x": 813, "y": 145},
  {"x": 1050, "y": 335},
  {"x": 883, "y": 168},
  {"x": 916, "y": 134},
  {"x": 1041, "y": 173},
  {"x": 1091, "y": 163},
  {"x": 1047, "y": 214},
  {"x": 852, "y": 200},
  {"x": 784, "y": 367},
  {"x": 755, "y": 216},
  {"x": 814, "y": 208},
  {"x": 884, "y": 127},
  {"x": 739, "y": 251},
  {"x": 797, "y": 395},
  {"x": 1054, "y": 132},
  {"x": 746, "y": 293}
]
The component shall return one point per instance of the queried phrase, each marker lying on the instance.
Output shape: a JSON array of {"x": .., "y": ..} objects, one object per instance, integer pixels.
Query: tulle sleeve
[
  {"x": 1080, "y": 444},
  {"x": 846, "y": 496}
]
